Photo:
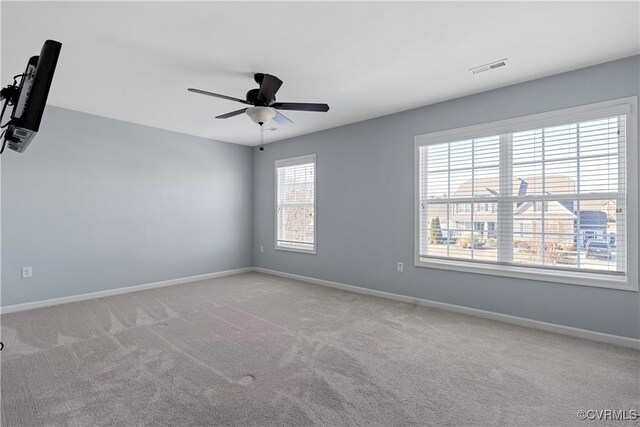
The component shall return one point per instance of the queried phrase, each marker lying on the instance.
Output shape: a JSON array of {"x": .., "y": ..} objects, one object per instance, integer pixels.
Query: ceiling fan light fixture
[{"x": 261, "y": 115}]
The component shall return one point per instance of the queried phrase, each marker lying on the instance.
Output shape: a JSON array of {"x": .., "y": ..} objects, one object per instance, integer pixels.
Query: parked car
[{"x": 598, "y": 248}]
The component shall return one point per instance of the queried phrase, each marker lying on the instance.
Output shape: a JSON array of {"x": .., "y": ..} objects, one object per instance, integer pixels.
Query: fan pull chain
[{"x": 261, "y": 135}]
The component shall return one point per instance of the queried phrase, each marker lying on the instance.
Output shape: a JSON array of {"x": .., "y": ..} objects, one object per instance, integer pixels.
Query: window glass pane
[
  {"x": 438, "y": 156},
  {"x": 597, "y": 227},
  {"x": 560, "y": 250},
  {"x": 485, "y": 231},
  {"x": 461, "y": 183},
  {"x": 438, "y": 185},
  {"x": 560, "y": 177},
  {"x": 527, "y": 162},
  {"x": 295, "y": 206},
  {"x": 486, "y": 152},
  {"x": 527, "y": 179},
  {"x": 434, "y": 224},
  {"x": 599, "y": 137},
  {"x": 486, "y": 182},
  {"x": 436, "y": 238},
  {"x": 459, "y": 231},
  {"x": 527, "y": 232},
  {"x": 297, "y": 224},
  {"x": 460, "y": 155},
  {"x": 560, "y": 142},
  {"x": 526, "y": 249},
  {"x": 599, "y": 174}
]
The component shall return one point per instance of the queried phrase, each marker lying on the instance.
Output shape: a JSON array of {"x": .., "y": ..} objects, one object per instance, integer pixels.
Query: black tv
[{"x": 30, "y": 97}]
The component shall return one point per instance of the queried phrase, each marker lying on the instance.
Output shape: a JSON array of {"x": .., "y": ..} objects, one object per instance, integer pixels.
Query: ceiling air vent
[{"x": 489, "y": 66}]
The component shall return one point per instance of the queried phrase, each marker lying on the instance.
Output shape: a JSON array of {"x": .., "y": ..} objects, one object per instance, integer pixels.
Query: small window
[{"x": 296, "y": 204}]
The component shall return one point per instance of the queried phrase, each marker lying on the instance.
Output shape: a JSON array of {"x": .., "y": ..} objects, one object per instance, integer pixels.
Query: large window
[
  {"x": 296, "y": 204},
  {"x": 551, "y": 196}
]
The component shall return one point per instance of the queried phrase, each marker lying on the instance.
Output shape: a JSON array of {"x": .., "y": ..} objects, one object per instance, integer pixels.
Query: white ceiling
[{"x": 134, "y": 60}]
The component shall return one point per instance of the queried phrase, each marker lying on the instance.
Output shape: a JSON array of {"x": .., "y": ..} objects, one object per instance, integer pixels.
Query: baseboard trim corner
[
  {"x": 118, "y": 291},
  {"x": 520, "y": 321}
]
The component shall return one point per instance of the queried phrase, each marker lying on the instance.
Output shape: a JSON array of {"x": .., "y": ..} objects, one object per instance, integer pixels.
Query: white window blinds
[
  {"x": 547, "y": 197},
  {"x": 295, "y": 203}
]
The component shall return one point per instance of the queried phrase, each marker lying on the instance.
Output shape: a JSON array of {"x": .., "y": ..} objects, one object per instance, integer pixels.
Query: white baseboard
[
  {"x": 521, "y": 321},
  {"x": 117, "y": 291}
]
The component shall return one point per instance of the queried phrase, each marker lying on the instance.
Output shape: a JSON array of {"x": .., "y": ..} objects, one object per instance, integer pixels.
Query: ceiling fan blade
[
  {"x": 268, "y": 88},
  {"x": 281, "y": 120},
  {"x": 231, "y": 114},
  {"x": 300, "y": 106},
  {"x": 217, "y": 95}
]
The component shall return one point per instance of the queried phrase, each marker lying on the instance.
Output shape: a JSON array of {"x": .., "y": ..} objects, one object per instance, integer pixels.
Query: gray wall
[
  {"x": 96, "y": 204},
  {"x": 365, "y": 205}
]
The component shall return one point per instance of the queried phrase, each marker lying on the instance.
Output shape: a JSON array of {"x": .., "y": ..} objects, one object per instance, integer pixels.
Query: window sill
[
  {"x": 294, "y": 249},
  {"x": 529, "y": 273}
]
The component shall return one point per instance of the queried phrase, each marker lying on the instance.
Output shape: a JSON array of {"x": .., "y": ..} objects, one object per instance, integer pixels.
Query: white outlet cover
[
  {"x": 26, "y": 272},
  {"x": 400, "y": 267}
]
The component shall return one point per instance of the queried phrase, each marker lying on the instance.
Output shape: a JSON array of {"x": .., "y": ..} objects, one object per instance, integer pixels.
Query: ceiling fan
[{"x": 263, "y": 106}]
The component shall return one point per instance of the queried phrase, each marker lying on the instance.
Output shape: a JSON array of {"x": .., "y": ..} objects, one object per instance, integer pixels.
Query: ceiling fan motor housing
[{"x": 252, "y": 98}]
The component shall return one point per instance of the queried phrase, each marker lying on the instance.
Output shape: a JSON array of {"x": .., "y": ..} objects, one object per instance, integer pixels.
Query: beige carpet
[{"x": 258, "y": 350}]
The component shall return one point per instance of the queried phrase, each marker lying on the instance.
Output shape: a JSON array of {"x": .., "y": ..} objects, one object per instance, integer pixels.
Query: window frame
[
  {"x": 294, "y": 161},
  {"x": 622, "y": 106}
]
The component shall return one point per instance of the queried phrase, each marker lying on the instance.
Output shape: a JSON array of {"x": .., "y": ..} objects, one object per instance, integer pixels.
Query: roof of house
[
  {"x": 490, "y": 186},
  {"x": 529, "y": 185}
]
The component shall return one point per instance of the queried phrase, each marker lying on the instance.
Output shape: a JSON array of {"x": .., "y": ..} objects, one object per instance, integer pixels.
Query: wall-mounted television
[{"x": 30, "y": 97}]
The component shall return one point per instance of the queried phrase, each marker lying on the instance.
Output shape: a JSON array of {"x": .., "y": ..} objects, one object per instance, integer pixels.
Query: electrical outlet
[
  {"x": 261, "y": 249},
  {"x": 26, "y": 272},
  {"x": 400, "y": 267}
]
